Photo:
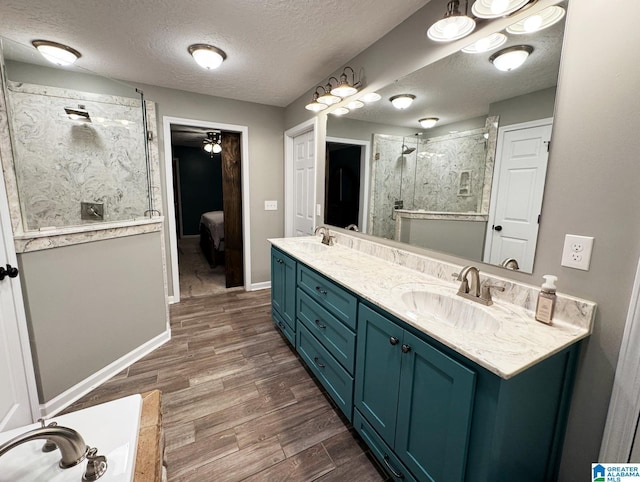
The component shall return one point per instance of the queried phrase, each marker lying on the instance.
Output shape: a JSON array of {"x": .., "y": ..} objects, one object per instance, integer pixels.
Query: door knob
[
  {"x": 497, "y": 228},
  {"x": 9, "y": 271}
]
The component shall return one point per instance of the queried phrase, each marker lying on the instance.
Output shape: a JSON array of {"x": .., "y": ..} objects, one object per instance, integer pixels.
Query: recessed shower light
[
  {"x": 207, "y": 56},
  {"x": 57, "y": 53}
]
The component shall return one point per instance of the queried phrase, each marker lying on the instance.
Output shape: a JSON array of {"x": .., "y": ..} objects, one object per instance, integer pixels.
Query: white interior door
[
  {"x": 303, "y": 184},
  {"x": 522, "y": 156},
  {"x": 17, "y": 387}
]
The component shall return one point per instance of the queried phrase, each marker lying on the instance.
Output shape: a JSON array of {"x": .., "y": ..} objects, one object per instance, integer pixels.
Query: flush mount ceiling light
[
  {"x": 453, "y": 26},
  {"x": 56, "y": 53},
  {"x": 344, "y": 87},
  {"x": 538, "y": 21},
  {"x": 211, "y": 144},
  {"x": 402, "y": 101},
  {"x": 207, "y": 56},
  {"x": 340, "y": 111},
  {"x": 486, "y": 44},
  {"x": 314, "y": 105},
  {"x": 428, "y": 122},
  {"x": 371, "y": 97},
  {"x": 496, "y": 8},
  {"x": 511, "y": 58}
]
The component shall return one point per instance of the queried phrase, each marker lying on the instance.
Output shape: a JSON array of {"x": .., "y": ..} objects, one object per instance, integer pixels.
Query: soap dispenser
[{"x": 546, "y": 299}]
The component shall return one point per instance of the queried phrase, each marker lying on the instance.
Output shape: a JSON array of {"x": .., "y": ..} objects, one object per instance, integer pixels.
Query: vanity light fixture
[
  {"x": 454, "y": 25},
  {"x": 496, "y": 8},
  {"x": 355, "y": 104},
  {"x": 56, "y": 53},
  {"x": 314, "y": 105},
  {"x": 328, "y": 97},
  {"x": 511, "y": 58},
  {"x": 211, "y": 144},
  {"x": 428, "y": 122},
  {"x": 538, "y": 21},
  {"x": 486, "y": 44},
  {"x": 340, "y": 111},
  {"x": 344, "y": 87},
  {"x": 207, "y": 56},
  {"x": 402, "y": 101},
  {"x": 371, "y": 97}
]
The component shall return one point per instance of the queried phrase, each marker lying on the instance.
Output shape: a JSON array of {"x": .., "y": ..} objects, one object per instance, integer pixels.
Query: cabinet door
[
  {"x": 434, "y": 412},
  {"x": 378, "y": 371},
  {"x": 283, "y": 286}
]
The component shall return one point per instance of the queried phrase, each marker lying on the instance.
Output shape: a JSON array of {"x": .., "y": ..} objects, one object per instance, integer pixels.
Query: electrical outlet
[
  {"x": 271, "y": 205},
  {"x": 577, "y": 251}
]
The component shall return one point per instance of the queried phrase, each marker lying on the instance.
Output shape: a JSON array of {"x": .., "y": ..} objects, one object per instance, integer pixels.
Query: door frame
[
  {"x": 488, "y": 236},
  {"x": 289, "y": 135},
  {"x": 167, "y": 121},
  {"x": 365, "y": 167},
  {"x": 624, "y": 406}
]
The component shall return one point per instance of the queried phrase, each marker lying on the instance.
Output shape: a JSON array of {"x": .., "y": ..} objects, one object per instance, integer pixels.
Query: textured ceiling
[{"x": 276, "y": 49}]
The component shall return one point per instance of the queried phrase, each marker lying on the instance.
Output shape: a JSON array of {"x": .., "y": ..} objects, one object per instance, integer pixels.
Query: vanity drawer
[
  {"x": 287, "y": 330},
  {"x": 329, "y": 372},
  {"x": 330, "y": 296},
  {"x": 333, "y": 334}
]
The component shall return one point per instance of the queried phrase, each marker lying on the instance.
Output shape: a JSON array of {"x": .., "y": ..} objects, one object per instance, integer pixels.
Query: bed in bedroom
[{"x": 212, "y": 237}]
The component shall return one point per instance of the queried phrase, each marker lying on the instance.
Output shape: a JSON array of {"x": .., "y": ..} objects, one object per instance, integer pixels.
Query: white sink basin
[{"x": 111, "y": 427}]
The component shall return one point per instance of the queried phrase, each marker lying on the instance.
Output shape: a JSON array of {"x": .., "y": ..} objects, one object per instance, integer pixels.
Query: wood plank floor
[{"x": 238, "y": 404}]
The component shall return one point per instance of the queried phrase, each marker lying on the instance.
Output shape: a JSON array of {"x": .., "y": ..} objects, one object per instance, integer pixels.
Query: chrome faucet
[
  {"x": 326, "y": 235},
  {"x": 70, "y": 443},
  {"x": 475, "y": 291}
]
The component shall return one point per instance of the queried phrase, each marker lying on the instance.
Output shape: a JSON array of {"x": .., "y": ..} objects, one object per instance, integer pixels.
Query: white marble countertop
[{"x": 511, "y": 343}]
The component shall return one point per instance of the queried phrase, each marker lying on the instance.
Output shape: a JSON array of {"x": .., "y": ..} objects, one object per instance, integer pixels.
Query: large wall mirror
[{"x": 472, "y": 185}]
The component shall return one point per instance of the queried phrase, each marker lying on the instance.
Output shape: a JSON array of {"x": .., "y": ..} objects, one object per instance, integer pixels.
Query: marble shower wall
[
  {"x": 60, "y": 163},
  {"x": 450, "y": 174}
]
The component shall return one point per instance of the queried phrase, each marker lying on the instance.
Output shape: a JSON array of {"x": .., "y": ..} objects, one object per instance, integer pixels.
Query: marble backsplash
[
  {"x": 60, "y": 163},
  {"x": 450, "y": 173}
]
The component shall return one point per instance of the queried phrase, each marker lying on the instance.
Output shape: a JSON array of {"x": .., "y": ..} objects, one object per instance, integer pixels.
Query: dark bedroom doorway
[
  {"x": 208, "y": 209},
  {"x": 342, "y": 184}
]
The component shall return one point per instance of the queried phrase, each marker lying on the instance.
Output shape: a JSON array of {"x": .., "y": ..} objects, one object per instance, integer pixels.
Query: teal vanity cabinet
[
  {"x": 417, "y": 399},
  {"x": 430, "y": 413},
  {"x": 283, "y": 293}
]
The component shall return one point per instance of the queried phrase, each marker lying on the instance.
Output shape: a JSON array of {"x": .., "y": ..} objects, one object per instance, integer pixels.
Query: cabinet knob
[
  {"x": 406, "y": 348},
  {"x": 393, "y": 340}
]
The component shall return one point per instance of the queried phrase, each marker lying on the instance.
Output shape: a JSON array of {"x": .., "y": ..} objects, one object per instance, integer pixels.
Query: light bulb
[
  {"x": 532, "y": 23},
  {"x": 499, "y": 6},
  {"x": 217, "y": 148},
  {"x": 208, "y": 147}
]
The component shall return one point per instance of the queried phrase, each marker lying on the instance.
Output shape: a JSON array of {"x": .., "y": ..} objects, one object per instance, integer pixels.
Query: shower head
[
  {"x": 407, "y": 150},
  {"x": 80, "y": 114}
]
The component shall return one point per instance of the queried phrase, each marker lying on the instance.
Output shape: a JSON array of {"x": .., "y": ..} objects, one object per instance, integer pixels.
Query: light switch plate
[
  {"x": 577, "y": 251},
  {"x": 271, "y": 205}
]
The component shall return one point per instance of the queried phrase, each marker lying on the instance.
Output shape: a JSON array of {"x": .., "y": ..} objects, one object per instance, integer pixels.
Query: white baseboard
[
  {"x": 265, "y": 285},
  {"x": 74, "y": 393},
  {"x": 172, "y": 300}
]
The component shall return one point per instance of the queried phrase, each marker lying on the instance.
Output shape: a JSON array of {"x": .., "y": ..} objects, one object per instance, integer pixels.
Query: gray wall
[
  {"x": 591, "y": 187},
  {"x": 89, "y": 304},
  {"x": 525, "y": 108}
]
